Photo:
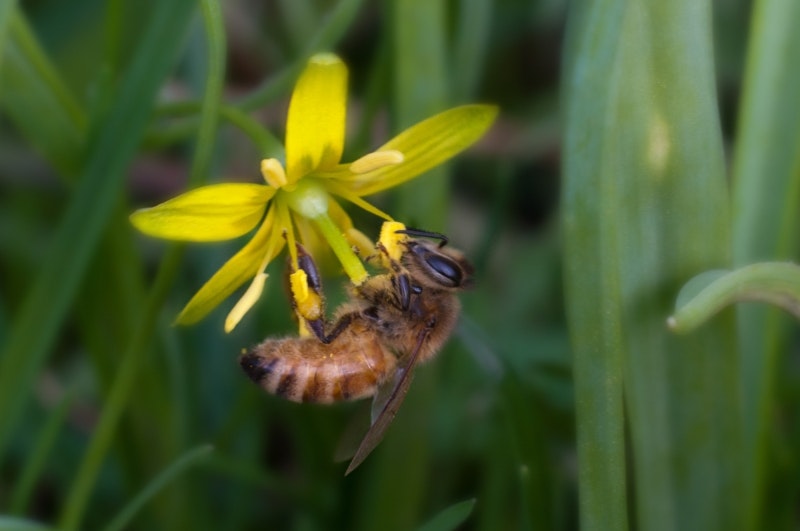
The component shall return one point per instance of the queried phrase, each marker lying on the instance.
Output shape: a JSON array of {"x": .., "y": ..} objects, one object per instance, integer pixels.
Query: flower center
[{"x": 308, "y": 199}]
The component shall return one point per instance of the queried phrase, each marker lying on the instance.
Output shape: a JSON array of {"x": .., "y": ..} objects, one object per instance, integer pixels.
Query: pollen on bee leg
[
  {"x": 307, "y": 302},
  {"x": 391, "y": 240},
  {"x": 273, "y": 173},
  {"x": 376, "y": 160}
]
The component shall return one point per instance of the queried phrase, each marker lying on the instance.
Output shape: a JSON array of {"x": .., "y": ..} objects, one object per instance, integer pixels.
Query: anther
[
  {"x": 273, "y": 173},
  {"x": 376, "y": 160}
]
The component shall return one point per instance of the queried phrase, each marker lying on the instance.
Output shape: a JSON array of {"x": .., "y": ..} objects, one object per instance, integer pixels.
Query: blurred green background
[{"x": 112, "y": 418}]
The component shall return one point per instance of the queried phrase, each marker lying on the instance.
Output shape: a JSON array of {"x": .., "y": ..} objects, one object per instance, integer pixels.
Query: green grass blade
[
  {"x": 131, "y": 362},
  {"x": 38, "y": 102},
  {"x": 181, "y": 465},
  {"x": 121, "y": 391},
  {"x": 420, "y": 91},
  {"x": 592, "y": 282},
  {"x": 87, "y": 214},
  {"x": 470, "y": 47},
  {"x": 212, "y": 97},
  {"x": 449, "y": 518},
  {"x": 645, "y": 209},
  {"x": 766, "y": 195},
  {"x": 6, "y": 8}
]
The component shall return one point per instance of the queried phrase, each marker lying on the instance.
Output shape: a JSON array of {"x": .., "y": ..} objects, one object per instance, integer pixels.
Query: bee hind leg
[
  {"x": 312, "y": 308},
  {"x": 319, "y": 325}
]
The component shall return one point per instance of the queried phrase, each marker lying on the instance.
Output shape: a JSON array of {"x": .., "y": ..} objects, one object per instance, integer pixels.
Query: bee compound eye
[{"x": 445, "y": 270}]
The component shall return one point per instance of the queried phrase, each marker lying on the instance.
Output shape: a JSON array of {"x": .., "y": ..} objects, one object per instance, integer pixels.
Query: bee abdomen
[{"x": 305, "y": 370}]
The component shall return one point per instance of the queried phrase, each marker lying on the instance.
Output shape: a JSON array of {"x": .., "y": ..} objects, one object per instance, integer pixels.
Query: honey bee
[{"x": 390, "y": 324}]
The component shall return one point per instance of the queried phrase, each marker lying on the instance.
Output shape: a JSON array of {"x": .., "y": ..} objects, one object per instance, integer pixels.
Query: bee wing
[
  {"x": 353, "y": 434},
  {"x": 385, "y": 393},
  {"x": 381, "y": 423}
]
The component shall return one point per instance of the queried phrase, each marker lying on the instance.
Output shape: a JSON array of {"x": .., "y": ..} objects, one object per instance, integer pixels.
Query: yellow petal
[
  {"x": 424, "y": 146},
  {"x": 243, "y": 266},
  {"x": 315, "y": 127},
  {"x": 246, "y": 302},
  {"x": 211, "y": 213}
]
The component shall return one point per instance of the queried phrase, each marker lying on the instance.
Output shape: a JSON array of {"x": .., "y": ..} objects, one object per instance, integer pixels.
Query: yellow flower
[{"x": 300, "y": 201}]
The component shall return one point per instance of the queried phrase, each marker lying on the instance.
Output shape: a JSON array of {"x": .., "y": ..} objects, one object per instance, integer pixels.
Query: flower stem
[{"x": 350, "y": 262}]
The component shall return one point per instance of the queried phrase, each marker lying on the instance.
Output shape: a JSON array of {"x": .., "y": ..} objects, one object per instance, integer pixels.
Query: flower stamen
[
  {"x": 342, "y": 249},
  {"x": 376, "y": 160},
  {"x": 359, "y": 242},
  {"x": 273, "y": 173}
]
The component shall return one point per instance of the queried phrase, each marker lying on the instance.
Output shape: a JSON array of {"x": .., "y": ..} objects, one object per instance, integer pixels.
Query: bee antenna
[{"x": 420, "y": 233}]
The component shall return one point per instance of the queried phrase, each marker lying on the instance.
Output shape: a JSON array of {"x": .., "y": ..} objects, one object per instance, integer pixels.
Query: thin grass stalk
[
  {"x": 181, "y": 465},
  {"x": 332, "y": 30},
  {"x": 45, "y": 442}
]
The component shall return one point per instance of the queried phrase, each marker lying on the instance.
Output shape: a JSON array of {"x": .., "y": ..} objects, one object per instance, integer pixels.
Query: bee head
[{"x": 437, "y": 267}]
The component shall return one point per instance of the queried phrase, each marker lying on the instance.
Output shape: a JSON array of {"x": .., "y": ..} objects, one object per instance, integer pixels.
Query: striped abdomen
[{"x": 306, "y": 370}]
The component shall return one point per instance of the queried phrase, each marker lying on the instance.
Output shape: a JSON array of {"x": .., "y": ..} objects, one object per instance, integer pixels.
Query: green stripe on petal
[
  {"x": 210, "y": 213},
  {"x": 242, "y": 267},
  {"x": 424, "y": 146},
  {"x": 315, "y": 127}
]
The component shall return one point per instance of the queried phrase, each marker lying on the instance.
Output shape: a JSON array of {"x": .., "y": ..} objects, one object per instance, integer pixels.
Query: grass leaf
[
  {"x": 77, "y": 235},
  {"x": 766, "y": 200},
  {"x": 645, "y": 208},
  {"x": 449, "y": 518}
]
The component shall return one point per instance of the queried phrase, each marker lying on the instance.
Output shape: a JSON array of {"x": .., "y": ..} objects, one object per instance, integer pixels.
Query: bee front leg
[
  {"x": 403, "y": 290},
  {"x": 402, "y": 286}
]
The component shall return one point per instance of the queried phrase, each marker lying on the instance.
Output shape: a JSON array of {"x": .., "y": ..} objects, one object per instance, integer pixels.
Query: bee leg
[
  {"x": 401, "y": 281},
  {"x": 403, "y": 290},
  {"x": 318, "y": 326},
  {"x": 340, "y": 326},
  {"x": 306, "y": 263}
]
